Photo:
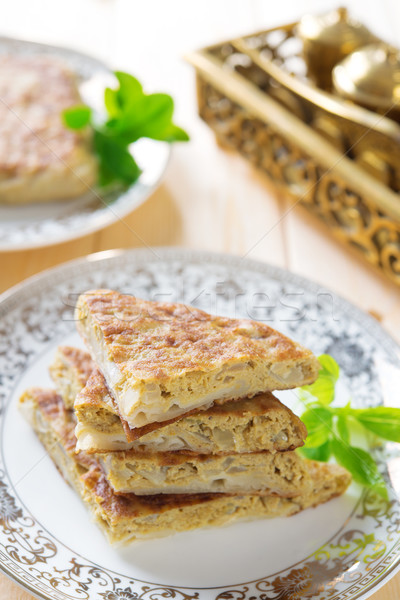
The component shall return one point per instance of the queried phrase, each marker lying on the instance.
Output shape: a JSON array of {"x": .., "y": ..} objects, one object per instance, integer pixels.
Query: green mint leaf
[
  {"x": 124, "y": 98},
  {"x": 382, "y": 421},
  {"x": 318, "y": 421},
  {"x": 361, "y": 465},
  {"x": 116, "y": 162},
  {"x": 111, "y": 103},
  {"x": 321, "y": 453},
  {"x": 329, "y": 366},
  {"x": 317, "y": 417},
  {"x": 130, "y": 90},
  {"x": 77, "y": 117},
  {"x": 158, "y": 110},
  {"x": 134, "y": 114},
  {"x": 149, "y": 117},
  {"x": 342, "y": 428},
  {"x": 173, "y": 133},
  {"x": 324, "y": 388}
]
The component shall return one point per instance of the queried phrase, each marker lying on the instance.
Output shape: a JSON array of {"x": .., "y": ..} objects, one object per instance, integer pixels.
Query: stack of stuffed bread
[{"x": 168, "y": 423}]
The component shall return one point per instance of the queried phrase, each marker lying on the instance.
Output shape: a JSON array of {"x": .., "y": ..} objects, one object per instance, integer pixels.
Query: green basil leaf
[
  {"x": 324, "y": 387},
  {"x": 384, "y": 421},
  {"x": 172, "y": 133},
  {"x": 130, "y": 90},
  {"x": 329, "y": 366},
  {"x": 321, "y": 453},
  {"x": 116, "y": 162},
  {"x": 318, "y": 421},
  {"x": 361, "y": 465},
  {"x": 77, "y": 117},
  {"x": 317, "y": 417},
  {"x": 343, "y": 428},
  {"x": 149, "y": 118},
  {"x": 132, "y": 114},
  {"x": 317, "y": 438},
  {"x": 111, "y": 103}
]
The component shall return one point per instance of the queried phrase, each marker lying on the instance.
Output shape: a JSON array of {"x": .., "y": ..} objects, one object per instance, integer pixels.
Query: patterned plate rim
[{"x": 9, "y": 299}]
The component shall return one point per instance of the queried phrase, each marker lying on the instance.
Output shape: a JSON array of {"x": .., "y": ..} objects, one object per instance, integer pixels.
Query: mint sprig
[
  {"x": 323, "y": 389},
  {"x": 331, "y": 430},
  {"x": 131, "y": 114},
  {"x": 77, "y": 117}
]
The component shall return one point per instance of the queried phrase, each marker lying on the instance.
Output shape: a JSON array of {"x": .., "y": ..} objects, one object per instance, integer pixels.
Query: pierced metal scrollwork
[{"x": 352, "y": 217}]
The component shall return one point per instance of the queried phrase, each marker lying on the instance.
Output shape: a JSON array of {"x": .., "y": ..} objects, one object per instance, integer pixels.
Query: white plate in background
[{"x": 43, "y": 224}]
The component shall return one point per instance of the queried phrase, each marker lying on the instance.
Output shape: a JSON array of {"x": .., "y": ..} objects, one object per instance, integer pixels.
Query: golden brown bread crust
[
  {"x": 124, "y": 518},
  {"x": 156, "y": 340},
  {"x": 73, "y": 369},
  {"x": 282, "y": 474},
  {"x": 129, "y": 506},
  {"x": 245, "y": 425},
  {"x": 163, "y": 360},
  {"x": 97, "y": 396},
  {"x": 40, "y": 158},
  {"x": 78, "y": 360},
  {"x": 50, "y": 407},
  {"x": 329, "y": 481},
  {"x": 148, "y": 472},
  {"x": 94, "y": 394},
  {"x": 70, "y": 372}
]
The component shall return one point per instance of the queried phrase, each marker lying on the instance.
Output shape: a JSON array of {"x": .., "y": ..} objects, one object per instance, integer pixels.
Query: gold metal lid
[
  {"x": 370, "y": 77},
  {"x": 327, "y": 40},
  {"x": 336, "y": 29}
]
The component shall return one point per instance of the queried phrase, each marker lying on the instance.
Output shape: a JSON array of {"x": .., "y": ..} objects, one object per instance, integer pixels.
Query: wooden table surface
[{"x": 209, "y": 199}]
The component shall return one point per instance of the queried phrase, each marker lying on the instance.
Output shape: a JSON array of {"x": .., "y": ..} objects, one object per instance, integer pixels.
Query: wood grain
[{"x": 209, "y": 199}]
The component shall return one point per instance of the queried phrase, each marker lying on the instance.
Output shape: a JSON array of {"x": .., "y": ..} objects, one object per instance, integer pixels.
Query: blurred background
[{"x": 209, "y": 198}]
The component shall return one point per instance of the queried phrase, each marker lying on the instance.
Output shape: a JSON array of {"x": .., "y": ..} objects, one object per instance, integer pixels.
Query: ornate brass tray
[{"x": 339, "y": 160}]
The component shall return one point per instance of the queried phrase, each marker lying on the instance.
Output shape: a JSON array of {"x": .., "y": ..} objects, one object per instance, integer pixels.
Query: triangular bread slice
[
  {"x": 264, "y": 473},
  {"x": 163, "y": 360},
  {"x": 124, "y": 518},
  {"x": 246, "y": 425},
  {"x": 70, "y": 371}
]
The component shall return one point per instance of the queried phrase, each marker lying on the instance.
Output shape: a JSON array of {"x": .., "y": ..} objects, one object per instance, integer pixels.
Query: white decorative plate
[
  {"x": 344, "y": 549},
  {"x": 37, "y": 225}
]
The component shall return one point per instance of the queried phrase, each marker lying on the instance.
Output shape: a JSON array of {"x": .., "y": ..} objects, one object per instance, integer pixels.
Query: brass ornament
[
  {"x": 371, "y": 77},
  {"x": 327, "y": 40},
  {"x": 339, "y": 160}
]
